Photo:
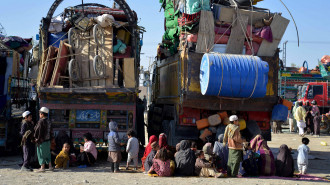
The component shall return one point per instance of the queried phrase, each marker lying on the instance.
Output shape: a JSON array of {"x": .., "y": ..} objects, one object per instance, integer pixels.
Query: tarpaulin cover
[{"x": 280, "y": 112}]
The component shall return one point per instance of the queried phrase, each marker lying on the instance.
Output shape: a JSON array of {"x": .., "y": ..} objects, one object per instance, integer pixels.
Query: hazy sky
[{"x": 22, "y": 18}]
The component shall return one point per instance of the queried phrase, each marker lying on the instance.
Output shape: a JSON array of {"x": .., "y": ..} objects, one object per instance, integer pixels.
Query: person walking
[
  {"x": 309, "y": 118},
  {"x": 27, "y": 131},
  {"x": 232, "y": 136},
  {"x": 300, "y": 116},
  {"x": 316, "y": 118},
  {"x": 42, "y": 135}
]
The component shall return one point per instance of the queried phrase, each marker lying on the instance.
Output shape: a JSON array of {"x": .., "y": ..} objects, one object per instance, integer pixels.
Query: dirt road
[{"x": 319, "y": 166}]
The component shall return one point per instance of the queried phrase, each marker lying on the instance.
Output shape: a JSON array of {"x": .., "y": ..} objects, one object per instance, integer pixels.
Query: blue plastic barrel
[{"x": 236, "y": 76}]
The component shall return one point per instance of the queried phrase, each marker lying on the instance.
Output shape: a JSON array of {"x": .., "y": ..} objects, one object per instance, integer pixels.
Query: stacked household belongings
[
  {"x": 88, "y": 46},
  {"x": 224, "y": 27}
]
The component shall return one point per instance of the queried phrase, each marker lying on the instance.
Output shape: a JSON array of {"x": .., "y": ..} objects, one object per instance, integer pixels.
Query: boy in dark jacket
[
  {"x": 27, "y": 131},
  {"x": 114, "y": 147}
]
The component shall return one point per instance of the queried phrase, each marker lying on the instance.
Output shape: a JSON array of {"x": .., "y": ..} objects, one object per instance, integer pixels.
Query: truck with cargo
[
  {"x": 88, "y": 69},
  {"x": 213, "y": 65},
  {"x": 14, "y": 90}
]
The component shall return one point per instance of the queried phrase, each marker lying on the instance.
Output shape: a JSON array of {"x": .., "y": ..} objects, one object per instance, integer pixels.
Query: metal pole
[{"x": 284, "y": 53}]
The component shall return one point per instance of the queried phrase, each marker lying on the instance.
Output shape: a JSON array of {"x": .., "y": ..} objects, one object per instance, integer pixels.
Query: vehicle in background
[
  {"x": 14, "y": 91},
  {"x": 320, "y": 92}
]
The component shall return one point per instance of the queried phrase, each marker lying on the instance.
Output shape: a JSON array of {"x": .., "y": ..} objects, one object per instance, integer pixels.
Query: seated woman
[
  {"x": 284, "y": 162},
  {"x": 185, "y": 160},
  {"x": 161, "y": 164},
  {"x": 149, "y": 160},
  {"x": 88, "y": 152},
  {"x": 267, "y": 161}
]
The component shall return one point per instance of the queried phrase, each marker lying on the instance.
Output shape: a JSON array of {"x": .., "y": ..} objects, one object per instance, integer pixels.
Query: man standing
[
  {"x": 300, "y": 115},
  {"x": 232, "y": 136},
  {"x": 27, "y": 131},
  {"x": 43, "y": 133}
]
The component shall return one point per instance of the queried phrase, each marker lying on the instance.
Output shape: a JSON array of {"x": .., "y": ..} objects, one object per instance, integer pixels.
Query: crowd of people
[
  {"x": 305, "y": 118},
  {"x": 230, "y": 156}
]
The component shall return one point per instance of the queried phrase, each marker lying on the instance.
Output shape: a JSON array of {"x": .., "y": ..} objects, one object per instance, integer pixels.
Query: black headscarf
[
  {"x": 284, "y": 162},
  {"x": 185, "y": 160}
]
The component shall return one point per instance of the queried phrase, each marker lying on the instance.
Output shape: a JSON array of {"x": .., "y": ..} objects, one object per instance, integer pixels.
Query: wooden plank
[
  {"x": 206, "y": 32},
  {"x": 15, "y": 68},
  {"x": 236, "y": 39},
  {"x": 49, "y": 66},
  {"x": 278, "y": 26},
  {"x": 91, "y": 54},
  {"x": 226, "y": 14},
  {"x": 61, "y": 64},
  {"x": 108, "y": 56},
  {"x": 84, "y": 61},
  {"x": 129, "y": 73}
]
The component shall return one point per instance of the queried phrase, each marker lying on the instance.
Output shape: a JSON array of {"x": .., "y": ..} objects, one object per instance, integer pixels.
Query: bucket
[{"x": 236, "y": 76}]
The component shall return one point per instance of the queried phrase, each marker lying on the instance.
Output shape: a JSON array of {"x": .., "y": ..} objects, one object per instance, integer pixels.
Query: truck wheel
[
  {"x": 98, "y": 35},
  {"x": 74, "y": 70},
  {"x": 73, "y": 38},
  {"x": 253, "y": 128},
  {"x": 98, "y": 66}
]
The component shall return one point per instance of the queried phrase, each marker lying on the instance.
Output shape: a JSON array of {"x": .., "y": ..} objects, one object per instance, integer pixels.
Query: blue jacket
[{"x": 113, "y": 138}]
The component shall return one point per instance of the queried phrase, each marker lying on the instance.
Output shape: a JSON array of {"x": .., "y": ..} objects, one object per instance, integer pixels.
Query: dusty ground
[{"x": 10, "y": 174}]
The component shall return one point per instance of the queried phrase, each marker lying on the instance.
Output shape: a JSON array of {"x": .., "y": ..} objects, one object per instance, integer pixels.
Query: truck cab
[{"x": 318, "y": 91}]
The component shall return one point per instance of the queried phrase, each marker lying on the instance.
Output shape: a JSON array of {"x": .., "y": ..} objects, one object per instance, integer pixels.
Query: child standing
[
  {"x": 302, "y": 159},
  {"x": 63, "y": 158},
  {"x": 132, "y": 149},
  {"x": 27, "y": 131},
  {"x": 114, "y": 147}
]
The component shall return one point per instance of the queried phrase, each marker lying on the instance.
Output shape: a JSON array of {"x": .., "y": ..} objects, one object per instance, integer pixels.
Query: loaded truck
[
  {"x": 211, "y": 64},
  {"x": 15, "y": 90},
  {"x": 88, "y": 70}
]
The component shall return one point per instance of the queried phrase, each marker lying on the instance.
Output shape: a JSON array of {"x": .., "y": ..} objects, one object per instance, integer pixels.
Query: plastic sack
[
  {"x": 56, "y": 24},
  {"x": 325, "y": 59},
  {"x": 280, "y": 112},
  {"x": 120, "y": 47},
  {"x": 105, "y": 20}
]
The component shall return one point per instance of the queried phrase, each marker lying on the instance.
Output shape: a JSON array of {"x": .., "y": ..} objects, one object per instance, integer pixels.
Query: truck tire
[
  {"x": 253, "y": 128},
  {"x": 166, "y": 127},
  {"x": 98, "y": 35},
  {"x": 325, "y": 127},
  {"x": 73, "y": 38},
  {"x": 74, "y": 72},
  {"x": 98, "y": 66}
]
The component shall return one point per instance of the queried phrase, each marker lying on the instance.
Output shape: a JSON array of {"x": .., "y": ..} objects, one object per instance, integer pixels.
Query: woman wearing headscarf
[
  {"x": 254, "y": 143},
  {"x": 316, "y": 118},
  {"x": 208, "y": 152},
  {"x": 309, "y": 117},
  {"x": 148, "y": 149},
  {"x": 221, "y": 153},
  {"x": 267, "y": 161},
  {"x": 284, "y": 162},
  {"x": 185, "y": 160},
  {"x": 163, "y": 141}
]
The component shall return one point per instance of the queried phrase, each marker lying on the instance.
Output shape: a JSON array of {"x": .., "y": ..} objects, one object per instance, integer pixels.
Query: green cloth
[
  {"x": 234, "y": 159},
  {"x": 43, "y": 152}
]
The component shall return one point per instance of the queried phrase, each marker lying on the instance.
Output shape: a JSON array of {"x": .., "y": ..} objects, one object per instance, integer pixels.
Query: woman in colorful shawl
[
  {"x": 148, "y": 149},
  {"x": 267, "y": 161},
  {"x": 254, "y": 143},
  {"x": 185, "y": 160},
  {"x": 284, "y": 162},
  {"x": 161, "y": 164}
]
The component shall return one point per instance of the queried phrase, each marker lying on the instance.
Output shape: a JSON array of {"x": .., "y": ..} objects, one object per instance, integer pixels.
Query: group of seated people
[{"x": 212, "y": 160}]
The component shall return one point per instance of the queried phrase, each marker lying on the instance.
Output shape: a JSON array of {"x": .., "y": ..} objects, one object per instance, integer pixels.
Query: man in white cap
[
  {"x": 43, "y": 134},
  {"x": 27, "y": 130},
  {"x": 233, "y": 137}
]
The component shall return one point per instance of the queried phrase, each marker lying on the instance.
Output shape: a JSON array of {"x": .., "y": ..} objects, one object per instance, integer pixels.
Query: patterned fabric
[
  {"x": 267, "y": 165},
  {"x": 188, "y": 19},
  {"x": 162, "y": 168}
]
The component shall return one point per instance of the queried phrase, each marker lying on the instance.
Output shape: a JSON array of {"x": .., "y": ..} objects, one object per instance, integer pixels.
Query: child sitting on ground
[
  {"x": 161, "y": 164},
  {"x": 132, "y": 149},
  {"x": 63, "y": 158},
  {"x": 149, "y": 160},
  {"x": 249, "y": 166},
  {"x": 203, "y": 168},
  {"x": 302, "y": 159}
]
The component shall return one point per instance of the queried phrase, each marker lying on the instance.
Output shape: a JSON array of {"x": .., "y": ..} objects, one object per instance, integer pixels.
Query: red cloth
[
  {"x": 163, "y": 141},
  {"x": 148, "y": 149}
]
